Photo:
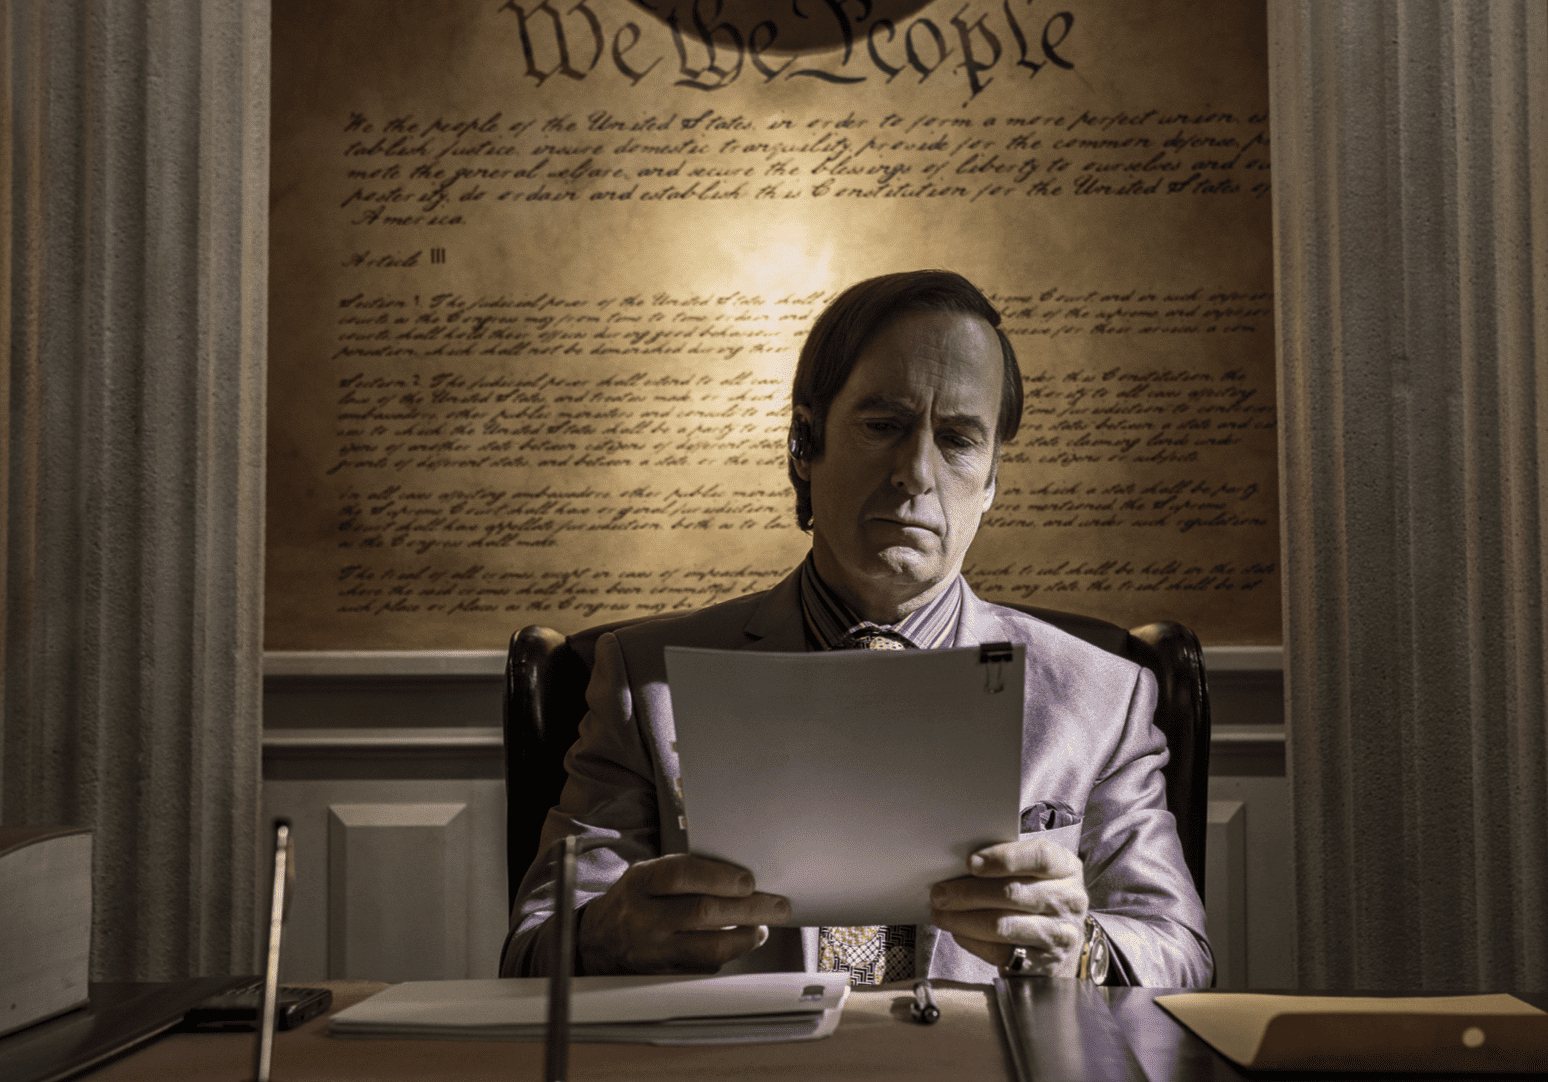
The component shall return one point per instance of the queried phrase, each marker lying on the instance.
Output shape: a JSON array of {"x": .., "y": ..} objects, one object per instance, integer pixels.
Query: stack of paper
[
  {"x": 744, "y": 1008},
  {"x": 1403, "y": 1033}
]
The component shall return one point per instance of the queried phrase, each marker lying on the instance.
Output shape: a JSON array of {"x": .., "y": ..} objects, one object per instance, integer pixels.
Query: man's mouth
[{"x": 908, "y": 523}]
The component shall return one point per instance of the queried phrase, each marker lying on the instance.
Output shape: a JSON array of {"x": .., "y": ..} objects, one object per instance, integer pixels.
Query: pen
[{"x": 923, "y": 1009}]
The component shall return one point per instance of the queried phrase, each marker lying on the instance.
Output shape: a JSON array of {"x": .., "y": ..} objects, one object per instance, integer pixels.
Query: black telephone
[{"x": 237, "y": 1008}]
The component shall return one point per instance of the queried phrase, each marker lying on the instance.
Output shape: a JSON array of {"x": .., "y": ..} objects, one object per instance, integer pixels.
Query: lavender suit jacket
[{"x": 1087, "y": 743}]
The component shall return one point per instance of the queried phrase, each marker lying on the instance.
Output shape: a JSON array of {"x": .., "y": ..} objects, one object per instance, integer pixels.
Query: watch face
[
  {"x": 1099, "y": 957},
  {"x": 1095, "y": 953}
]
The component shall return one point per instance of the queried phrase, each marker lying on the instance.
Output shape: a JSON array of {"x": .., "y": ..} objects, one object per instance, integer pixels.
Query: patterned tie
[
  {"x": 871, "y": 637},
  {"x": 870, "y": 954}
]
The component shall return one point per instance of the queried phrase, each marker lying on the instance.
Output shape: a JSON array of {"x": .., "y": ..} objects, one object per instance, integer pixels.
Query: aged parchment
[{"x": 540, "y": 273}]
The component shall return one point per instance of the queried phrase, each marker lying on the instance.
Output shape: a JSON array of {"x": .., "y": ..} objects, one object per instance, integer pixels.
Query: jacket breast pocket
[{"x": 1055, "y": 821}]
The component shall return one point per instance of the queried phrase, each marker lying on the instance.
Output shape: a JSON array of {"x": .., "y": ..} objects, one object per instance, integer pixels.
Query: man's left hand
[{"x": 1029, "y": 893}]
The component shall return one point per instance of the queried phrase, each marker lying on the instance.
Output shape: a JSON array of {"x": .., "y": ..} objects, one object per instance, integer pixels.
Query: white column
[
  {"x": 1410, "y": 242},
  {"x": 137, "y": 266}
]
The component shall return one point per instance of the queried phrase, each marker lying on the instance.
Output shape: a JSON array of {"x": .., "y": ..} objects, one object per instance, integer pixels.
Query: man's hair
[{"x": 857, "y": 315}]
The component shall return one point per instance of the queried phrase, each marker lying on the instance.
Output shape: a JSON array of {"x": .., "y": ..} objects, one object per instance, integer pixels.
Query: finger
[
  {"x": 710, "y": 912},
  {"x": 1035, "y": 857},
  {"x": 705, "y": 952},
  {"x": 1019, "y": 929},
  {"x": 684, "y": 873},
  {"x": 1051, "y": 897},
  {"x": 1039, "y": 963}
]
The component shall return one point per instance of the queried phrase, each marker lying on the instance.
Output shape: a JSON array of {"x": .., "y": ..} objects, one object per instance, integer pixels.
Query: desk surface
[{"x": 876, "y": 1040}]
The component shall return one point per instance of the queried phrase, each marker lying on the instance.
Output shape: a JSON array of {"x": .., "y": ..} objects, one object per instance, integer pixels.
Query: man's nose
[{"x": 913, "y": 471}]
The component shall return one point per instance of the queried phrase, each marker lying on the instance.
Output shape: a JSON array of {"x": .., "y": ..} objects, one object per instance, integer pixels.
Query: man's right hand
[{"x": 676, "y": 914}]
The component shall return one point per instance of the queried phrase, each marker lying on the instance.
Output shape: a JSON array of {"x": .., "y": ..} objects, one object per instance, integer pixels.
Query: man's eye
[{"x": 881, "y": 427}]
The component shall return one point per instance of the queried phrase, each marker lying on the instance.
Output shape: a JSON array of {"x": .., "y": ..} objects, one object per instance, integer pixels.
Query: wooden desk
[{"x": 875, "y": 1040}]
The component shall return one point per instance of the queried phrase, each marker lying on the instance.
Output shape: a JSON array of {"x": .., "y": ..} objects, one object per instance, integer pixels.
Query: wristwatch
[{"x": 1095, "y": 954}]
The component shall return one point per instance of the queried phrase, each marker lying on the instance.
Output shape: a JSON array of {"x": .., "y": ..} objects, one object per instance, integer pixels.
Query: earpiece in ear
[{"x": 800, "y": 440}]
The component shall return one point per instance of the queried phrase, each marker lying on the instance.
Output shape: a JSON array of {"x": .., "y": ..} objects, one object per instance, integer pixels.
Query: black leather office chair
[{"x": 545, "y": 698}]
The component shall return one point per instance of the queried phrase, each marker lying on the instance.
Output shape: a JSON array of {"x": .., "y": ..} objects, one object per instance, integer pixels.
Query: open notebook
[
  {"x": 1369, "y": 1033},
  {"x": 743, "y": 1008}
]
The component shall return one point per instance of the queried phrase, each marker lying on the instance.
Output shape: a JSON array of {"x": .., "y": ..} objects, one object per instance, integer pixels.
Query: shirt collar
[{"x": 829, "y": 620}]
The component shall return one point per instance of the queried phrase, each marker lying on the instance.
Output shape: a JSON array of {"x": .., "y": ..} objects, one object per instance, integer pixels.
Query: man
[{"x": 904, "y": 391}]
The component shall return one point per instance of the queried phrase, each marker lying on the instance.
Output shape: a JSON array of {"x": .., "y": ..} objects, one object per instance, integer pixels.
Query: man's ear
[{"x": 801, "y": 424}]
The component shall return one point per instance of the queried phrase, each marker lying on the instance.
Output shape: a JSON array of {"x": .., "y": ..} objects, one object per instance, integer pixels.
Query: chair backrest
[{"x": 545, "y": 698}]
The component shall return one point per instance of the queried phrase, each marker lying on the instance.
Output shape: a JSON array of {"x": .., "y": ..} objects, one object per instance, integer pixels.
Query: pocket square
[{"x": 1048, "y": 815}]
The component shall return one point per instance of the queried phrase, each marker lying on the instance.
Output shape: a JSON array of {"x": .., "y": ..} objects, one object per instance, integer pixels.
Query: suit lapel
[
  {"x": 980, "y": 621},
  {"x": 776, "y": 623}
]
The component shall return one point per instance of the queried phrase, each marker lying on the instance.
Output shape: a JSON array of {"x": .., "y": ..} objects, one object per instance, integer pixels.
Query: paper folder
[{"x": 1456, "y": 1034}]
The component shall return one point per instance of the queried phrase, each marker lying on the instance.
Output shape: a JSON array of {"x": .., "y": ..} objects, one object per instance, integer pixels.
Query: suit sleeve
[
  {"x": 1140, "y": 890},
  {"x": 608, "y": 800}
]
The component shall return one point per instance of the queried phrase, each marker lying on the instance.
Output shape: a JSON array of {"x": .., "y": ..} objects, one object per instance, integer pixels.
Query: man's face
[{"x": 908, "y": 460}]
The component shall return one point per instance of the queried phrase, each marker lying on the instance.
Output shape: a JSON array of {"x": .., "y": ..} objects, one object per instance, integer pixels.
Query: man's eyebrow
[
  {"x": 885, "y": 402},
  {"x": 968, "y": 422}
]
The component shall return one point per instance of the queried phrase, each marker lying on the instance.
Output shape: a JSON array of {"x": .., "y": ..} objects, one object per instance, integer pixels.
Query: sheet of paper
[
  {"x": 1235, "y": 1023},
  {"x": 848, "y": 781},
  {"x": 742, "y": 1008}
]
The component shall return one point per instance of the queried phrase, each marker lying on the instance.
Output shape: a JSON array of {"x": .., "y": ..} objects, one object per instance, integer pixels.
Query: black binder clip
[{"x": 993, "y": 656}]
